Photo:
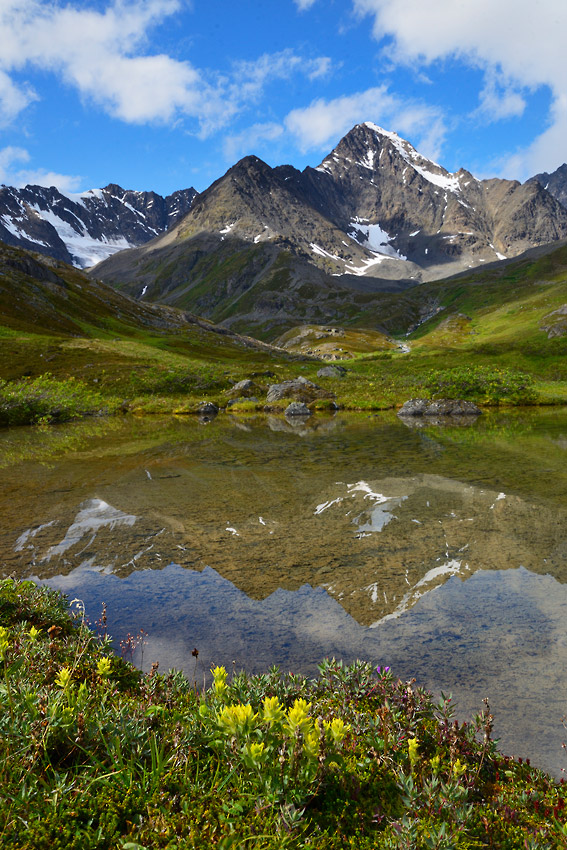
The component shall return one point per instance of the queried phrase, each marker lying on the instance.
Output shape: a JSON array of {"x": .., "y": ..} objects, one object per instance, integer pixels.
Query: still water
[{"x": 439, "y": 550}]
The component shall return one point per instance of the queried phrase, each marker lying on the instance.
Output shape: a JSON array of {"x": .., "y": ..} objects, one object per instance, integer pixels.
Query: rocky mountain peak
[{"x": 83, "y": 228}]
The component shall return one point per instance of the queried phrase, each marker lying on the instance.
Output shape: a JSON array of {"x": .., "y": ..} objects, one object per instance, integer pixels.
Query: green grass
[{"x": 95, "y": 754}]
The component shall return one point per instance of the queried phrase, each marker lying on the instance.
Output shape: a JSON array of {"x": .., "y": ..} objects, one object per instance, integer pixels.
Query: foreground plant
[{"x": 94, "y": 754}]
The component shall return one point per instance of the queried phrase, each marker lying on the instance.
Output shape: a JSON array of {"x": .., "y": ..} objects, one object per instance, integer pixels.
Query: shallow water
[{"x": 441, "y": 551}]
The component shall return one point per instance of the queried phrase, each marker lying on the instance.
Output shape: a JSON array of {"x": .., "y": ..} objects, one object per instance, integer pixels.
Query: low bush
[
  {"x": 491, "y": 385},
  {"x": 45, "y": 399}
]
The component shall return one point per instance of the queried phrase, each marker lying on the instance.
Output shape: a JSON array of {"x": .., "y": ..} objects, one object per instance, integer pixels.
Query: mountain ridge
[
  {"x": 374, "y": 216},
  {"x": 82, "y": 229}
]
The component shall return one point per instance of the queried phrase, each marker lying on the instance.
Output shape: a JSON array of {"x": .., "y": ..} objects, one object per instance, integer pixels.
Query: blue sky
[{"x": 164, "y": 94}]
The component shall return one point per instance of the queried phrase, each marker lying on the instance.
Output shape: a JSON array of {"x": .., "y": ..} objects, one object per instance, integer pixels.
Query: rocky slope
[
  {"x": 83, "y": 229},
  {"x": 555, "y": 183},
  {"x": 269, "y": 247}
]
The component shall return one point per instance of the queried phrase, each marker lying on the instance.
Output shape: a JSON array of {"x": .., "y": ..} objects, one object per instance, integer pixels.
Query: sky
[{"x": 165, "y": 94}]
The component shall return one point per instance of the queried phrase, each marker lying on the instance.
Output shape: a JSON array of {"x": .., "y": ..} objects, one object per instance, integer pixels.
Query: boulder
[
  {"x": 245, "y": 389},
  {"x": 413, "y": 407},
  {"x": 332, "y": 372},
  {"x": 299, "y": 389},
  {"x": 439, "y": 407},
  {"x": 207, "y": 408},
  {"x": 297, "y": 408},
  {"x": 555, "y": 324}
]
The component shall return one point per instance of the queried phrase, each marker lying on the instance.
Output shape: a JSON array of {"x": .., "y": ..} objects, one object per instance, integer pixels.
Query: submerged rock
[{"x": 439, "y": 407}]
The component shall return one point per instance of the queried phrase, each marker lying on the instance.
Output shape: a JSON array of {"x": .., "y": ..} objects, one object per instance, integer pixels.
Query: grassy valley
[{"x": 495, "y": 336}]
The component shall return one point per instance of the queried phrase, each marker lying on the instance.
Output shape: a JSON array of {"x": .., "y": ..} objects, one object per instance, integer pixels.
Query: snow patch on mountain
[
  {"x": 11, "y": 225},
  {"x": 84, "y": 248},
  {"x": 432, "y": 172},
  {"x": 372, "y": 237},
  {"x": 322, "y": 253}
]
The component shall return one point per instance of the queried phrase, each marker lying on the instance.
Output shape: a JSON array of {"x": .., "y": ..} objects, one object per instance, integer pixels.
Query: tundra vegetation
[
  {"x": 95, "y": 753},
  {"x": 495, "y": 337}
]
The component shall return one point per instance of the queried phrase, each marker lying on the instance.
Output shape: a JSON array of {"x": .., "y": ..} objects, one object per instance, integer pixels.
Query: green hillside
[{"x": 71, "y": 345}]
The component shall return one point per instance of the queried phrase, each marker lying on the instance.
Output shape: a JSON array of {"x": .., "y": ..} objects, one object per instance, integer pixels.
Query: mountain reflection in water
[{"x": 283, "y": 544}]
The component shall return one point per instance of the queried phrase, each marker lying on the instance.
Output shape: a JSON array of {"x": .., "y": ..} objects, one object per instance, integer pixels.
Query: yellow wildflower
[
  {"x": 33, "y": 633},
  {"x": 273, "y": 711},
  {"x": 337, "y": 729},
  {"x": 104, "y": 667},
  {"x": 413, "y": 746},
  {"x": 459, "y": 768},
  {"x": 311, "y": 744},
  {"x": 298, "y": 718},
  {"x": 63, "y": 678},
  {"x": 236, "y": 719},
  {"x": 255, "y": 751},
  {"x": 219, "y": 680}
]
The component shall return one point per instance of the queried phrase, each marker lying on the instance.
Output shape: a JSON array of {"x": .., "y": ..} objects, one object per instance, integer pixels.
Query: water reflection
[
  {"x": 499, "y": 634},
  {"x": 266, "y": 541}
]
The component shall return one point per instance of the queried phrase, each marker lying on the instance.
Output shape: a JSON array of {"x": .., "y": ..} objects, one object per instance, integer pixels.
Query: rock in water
[
  {"x": 207, "y": 408},
  {"x": 439, "y": 407},
  {"x": 297, "y": 408}
]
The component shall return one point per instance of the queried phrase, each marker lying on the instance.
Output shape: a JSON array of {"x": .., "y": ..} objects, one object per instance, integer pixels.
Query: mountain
[
  {"x": 265, "y": 248},
  {"x": 555, "y": 183},
  {"x": 42, "y": 296},
  {"x": 82, "y": 229},
  {"x": 390, "y": 198}
]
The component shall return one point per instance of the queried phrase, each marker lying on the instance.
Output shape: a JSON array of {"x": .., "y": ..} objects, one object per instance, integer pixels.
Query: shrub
[
  {"x": 45, "y": 399},
  {"x": 481, "y": 383}
]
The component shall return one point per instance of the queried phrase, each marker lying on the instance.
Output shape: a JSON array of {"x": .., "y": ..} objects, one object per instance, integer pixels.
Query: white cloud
[
  {"x": 522, "y": 40},
  {"x": 106, "y": 56},
  {"x": 248, "y": 140},
  {"x": 303, "y": 5},
  {"x": 101, "y": 54},
  {"x": 499, "y": 99},
  {"x": 13, "y": 99},
  {"x": 12, "y": 174},
  {"x": 323, "y": 122},
  {"x": 250, "y": 78},
  {"x": 9, "y": 156}
]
